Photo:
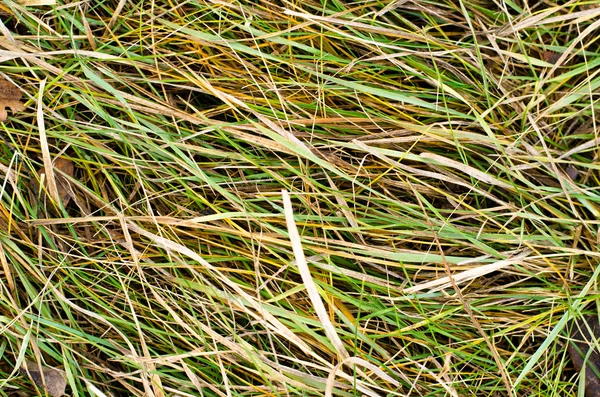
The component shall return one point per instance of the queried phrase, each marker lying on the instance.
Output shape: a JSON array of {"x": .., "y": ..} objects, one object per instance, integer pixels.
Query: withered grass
[{"x": 371, "y": 198}]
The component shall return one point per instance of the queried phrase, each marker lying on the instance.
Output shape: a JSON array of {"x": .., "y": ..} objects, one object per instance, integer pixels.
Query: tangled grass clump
[{"x": 378, "y": 198}]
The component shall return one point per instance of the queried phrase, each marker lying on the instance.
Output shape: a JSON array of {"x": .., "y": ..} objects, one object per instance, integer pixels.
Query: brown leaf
[
  {"x": 584, "y": 332},
  {"x": 10, "y": 96},
  {"x": 54, "y": 379},
  {"x": 62, "y": 183},
  {"x": 551, "y": 56},
  {"x": 572, "y": 172}
]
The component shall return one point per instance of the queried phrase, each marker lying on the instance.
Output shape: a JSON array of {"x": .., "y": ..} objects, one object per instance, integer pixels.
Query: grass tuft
[{"x": 378, "y": 198}]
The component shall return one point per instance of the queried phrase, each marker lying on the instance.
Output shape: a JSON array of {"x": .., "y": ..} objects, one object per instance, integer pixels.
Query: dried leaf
[
  {"x": 584, "y": 332},
  {"x": 54, "y": 379},
  {"x": 62, "y": 183},
  {"x": 572, "y": 172},
  {"x": 551, "y": 56},
  {"x": 10, "y": 97}
]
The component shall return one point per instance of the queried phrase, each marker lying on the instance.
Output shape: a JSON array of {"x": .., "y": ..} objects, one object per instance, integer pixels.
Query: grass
[{"x": 307, "y": 198}]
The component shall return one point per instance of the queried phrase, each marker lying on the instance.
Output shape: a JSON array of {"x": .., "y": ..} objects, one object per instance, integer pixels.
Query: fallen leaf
[
  {"x": 54, "y": 379},
  {"x": 583, "y": 333},
  {"x": 10, "y": 96},
  {"x": 551, "y": 56},
  {"x": 572, "y": 172},
  {"x": 62, "y": 183}
]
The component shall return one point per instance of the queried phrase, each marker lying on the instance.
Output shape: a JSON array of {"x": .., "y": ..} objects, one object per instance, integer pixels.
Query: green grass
[{"x": 442, "y": 169}]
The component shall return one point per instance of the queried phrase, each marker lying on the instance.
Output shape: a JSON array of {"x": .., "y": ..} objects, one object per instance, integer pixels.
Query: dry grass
[{"x": 379, "y": 198}]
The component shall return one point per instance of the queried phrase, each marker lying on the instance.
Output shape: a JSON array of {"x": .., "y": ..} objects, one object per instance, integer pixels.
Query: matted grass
[{"x": 380, "y": 198}]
